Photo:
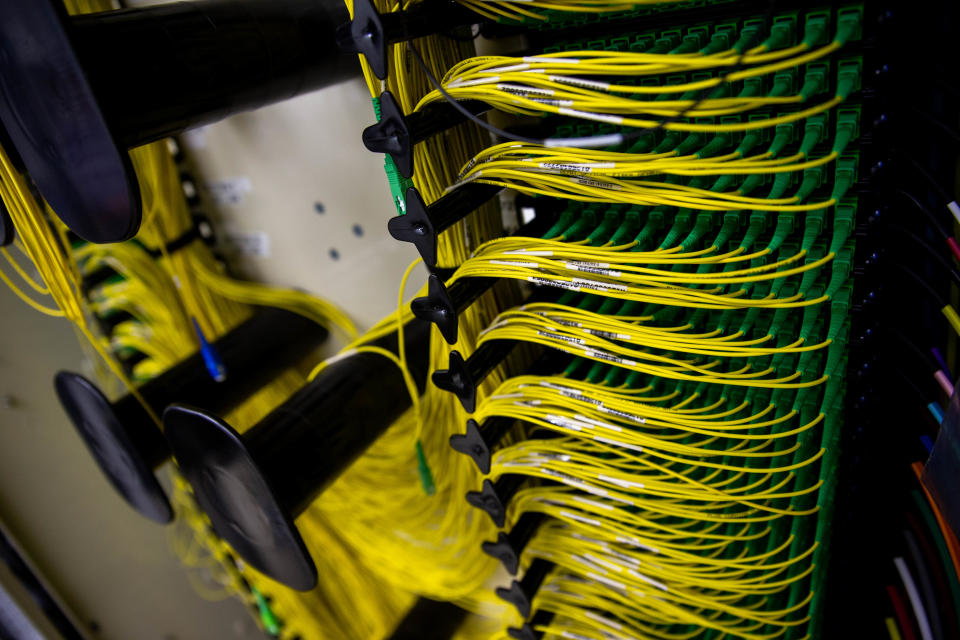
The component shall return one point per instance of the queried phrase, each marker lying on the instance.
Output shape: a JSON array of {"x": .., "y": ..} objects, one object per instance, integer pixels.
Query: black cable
[
  {"x": 942, "y": 228},
  {"x": 946, "y": 197},
  {"x": 932, "y": 119},
  {"x": 629, "y": 136},
  {"x": 925, "y": 585},
  {"x": 929, "y": 249},
  {"x": 456, "y": 105},
  {"x": 943, "y": 302}
]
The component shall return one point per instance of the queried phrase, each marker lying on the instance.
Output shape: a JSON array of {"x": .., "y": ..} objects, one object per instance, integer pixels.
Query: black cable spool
[
  {"x": 6, "y": 222},
  {"x": 429, "y": 619},
  {"x": 254, "y": 486},
  {"x": 125, "y": 441},
  {"x": 7, "y": 232},
  {"x": 77, "y": 92}
]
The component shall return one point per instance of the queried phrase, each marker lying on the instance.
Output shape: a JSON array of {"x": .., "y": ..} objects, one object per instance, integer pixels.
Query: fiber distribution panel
[{"x": 682, "y": 363}]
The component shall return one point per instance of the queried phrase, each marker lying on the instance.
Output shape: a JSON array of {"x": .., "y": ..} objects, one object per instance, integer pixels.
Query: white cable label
[
  {"x": 580, "y": 82},
  {"x": 561, "y": 284},
  {"x": 609, "y": 357},
  {"x": 522, "y": 90},
  {"x": 579, "y": 518},
  {"x": 596, "y": 284},
  {"x": 596, "y": 268},
  {"x": 562, "y": 338},
  {"x": 597, "y": 617},
  {"x": 512, "y": 263},
  {"x": 626, "y": 484},
  {"x": 598, "y": 117},
  {"x": 547, "y": 60},
  {"x": 590, "y": 182},
  {"x": 954, "y": 209}
]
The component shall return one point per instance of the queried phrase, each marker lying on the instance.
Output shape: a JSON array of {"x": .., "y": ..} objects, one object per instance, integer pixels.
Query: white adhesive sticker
[
  {"x": 229, "y": 191},
  {"x": 252, "y": 243}
]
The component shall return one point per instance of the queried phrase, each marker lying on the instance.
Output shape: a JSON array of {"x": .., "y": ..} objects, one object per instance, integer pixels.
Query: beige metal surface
[
  {"x": 297, "y": 173},
  {"x": 264, "y": 173},
  {"x": 110, "y": 565}
]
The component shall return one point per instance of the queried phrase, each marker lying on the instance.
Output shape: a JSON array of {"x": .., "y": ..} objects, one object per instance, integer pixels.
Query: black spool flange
[
  {"x": 254, "y": 486},
  {"x": 77, "y": 92},
  {"x": 123, "y": 438}
]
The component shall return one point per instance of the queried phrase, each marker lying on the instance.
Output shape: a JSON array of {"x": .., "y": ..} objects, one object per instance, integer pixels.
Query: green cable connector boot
[
  {"x": 423, "y": 469},
  {"x": 681, "y": 223},
  {"x": 845, "y": 175},
  {"x": 719, "y": 142},
  {"x": 267, "y": 619},
  {"x": 814, "y": 80},
  {"x": 563, "y": 222},
  {"x": 703, "y": 224},
  {"x": 655, "y": 221},
  {"x": 627, "y": 229},
  {"x": 782, "y": 230}
]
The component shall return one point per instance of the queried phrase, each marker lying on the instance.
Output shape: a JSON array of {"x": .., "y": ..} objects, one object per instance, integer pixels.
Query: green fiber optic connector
[
  {"x": 845, "y": 175},
  {"x": 704, "y": 223},
  {"x": 810, "y": 314},
  {"x": 669, "y": 142},
  {"x": 423, "y": 470},
  {"x": 843, "y": 222},
  {"x": 848, "y": 128},
  {"x": 753, "y": 181},
  {"x": 695, "y": 37},
  {"x": 749, "y": 35},
  {"x": 631, "y": 220},
  {"x": 697, "y": 77},
  {"x": 812, "y": 178},
  {"x": 564, "y": 221},
  {"x": 815, "y": 28},
  {"x": 715, "y": 145},
  {"x": 783, "y": 135},
  {"x": 750, "y": 140},
  {"x": 269, "y": 621},
  {"x": 814, "y": 80},
  {"x": 757, "y": 221},
  {"x": 694, "y": 140},
  {"x": 720, "y": 40},
  {"x": 781, "y": 181},
  {"x": 814, "y": 132},
  {"x": 849, "y": 24},
  {"x": 642, "y": 42},
  {"x": 653, "y": 224},
  {"x": 781, "y": 33},
  {"x": 814, "y": 253},
  {"x": 723, "y": 183},
  {"x": 751, "y": 87},
  {"x": 840, "y": 301},
  {"x": 848, "y": 77},
  {"x": 784, "y": 83},
  {"x": 666, "y": 42},
  {"x": 599, "y": 235},
  {"x": 681, "y": 223},
  {"x": 812, "y": 227},
  {"x": 783, "y": 229},
  {"x": 731, "y": 221},
  {"x": 842, "y": 264}
]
